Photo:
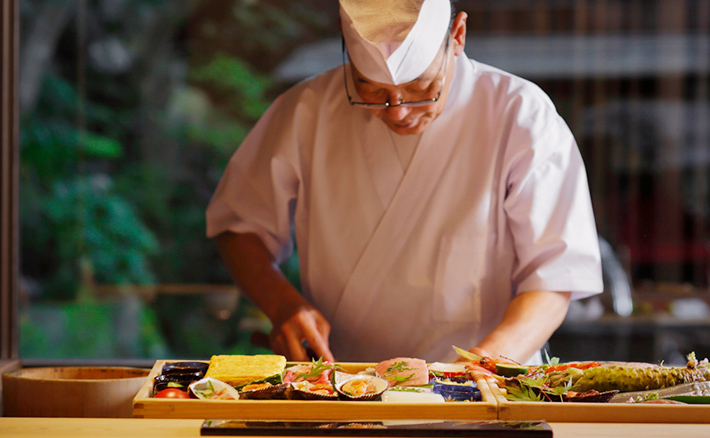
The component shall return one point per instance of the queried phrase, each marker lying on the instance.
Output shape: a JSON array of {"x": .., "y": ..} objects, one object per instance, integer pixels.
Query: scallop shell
[
  {"x": 373, "y": 385},
  {"x": 265, "y": 391},
  {"x": 219, "y": 390},
  {"x": 305, "y": 390}
]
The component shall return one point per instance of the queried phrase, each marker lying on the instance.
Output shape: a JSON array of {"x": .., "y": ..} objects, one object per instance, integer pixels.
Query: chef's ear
[{"x": 458, "y": 32}]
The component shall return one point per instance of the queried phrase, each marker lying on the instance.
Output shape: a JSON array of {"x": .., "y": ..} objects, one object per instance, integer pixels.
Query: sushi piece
[
  {"x": 312, "y": 381},
  {"x": 403, "y": 371},
  {"x": 447, "y": 370},
  {"x": 317, "y": 372}
]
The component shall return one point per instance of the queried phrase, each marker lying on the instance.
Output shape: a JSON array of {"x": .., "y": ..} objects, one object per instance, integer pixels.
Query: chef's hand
[
  {"x": 295, "y": 321},
  {"x": 305, "y": 324}
]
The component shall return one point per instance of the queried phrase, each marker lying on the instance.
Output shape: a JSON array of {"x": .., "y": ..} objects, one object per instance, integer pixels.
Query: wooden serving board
[
  {"x": 145, "y": 406},
  {"x": 597, "y": 412}
]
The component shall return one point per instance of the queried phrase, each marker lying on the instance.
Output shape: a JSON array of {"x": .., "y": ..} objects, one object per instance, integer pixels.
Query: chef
[{"x": 434, "y": 201}]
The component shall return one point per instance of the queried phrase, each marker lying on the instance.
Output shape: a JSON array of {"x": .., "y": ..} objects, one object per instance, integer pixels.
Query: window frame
[{"x": 9, "y": 181}]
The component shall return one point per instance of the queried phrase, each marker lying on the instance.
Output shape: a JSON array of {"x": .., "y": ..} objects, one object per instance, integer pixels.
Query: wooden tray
[
  {"x": 145, "y": 406},
  {"x": 597, "y": 412}
]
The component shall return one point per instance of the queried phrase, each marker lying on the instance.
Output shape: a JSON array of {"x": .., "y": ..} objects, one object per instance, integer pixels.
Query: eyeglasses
[{"x": 402, "y": 102}]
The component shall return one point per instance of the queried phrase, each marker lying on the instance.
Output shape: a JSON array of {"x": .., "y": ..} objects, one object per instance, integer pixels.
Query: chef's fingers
[
  {"x": 307, "y": 325},
  {"x": 294, "y": 344},
  {"x": 275, "y": 343},
  {"x": 287, "y": 343},
  {"x": 316, "y": 330},
  {"x": 317, "y": 338}
]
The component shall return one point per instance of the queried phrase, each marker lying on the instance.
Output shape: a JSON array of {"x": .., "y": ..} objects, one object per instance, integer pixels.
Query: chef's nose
[{"x": 396, "y": 111}]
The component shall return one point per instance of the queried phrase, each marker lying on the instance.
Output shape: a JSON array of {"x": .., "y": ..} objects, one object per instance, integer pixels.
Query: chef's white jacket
[{"x": 409, "y": 257}]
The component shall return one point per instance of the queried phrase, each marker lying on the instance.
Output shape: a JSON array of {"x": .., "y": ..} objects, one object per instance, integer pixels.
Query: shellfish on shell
[
  {"x": 263, "y": 391},
  {"x": 210, "y": 388},
  {"x": 306, "y": 390},
  {"x": 362, "y": 387}
]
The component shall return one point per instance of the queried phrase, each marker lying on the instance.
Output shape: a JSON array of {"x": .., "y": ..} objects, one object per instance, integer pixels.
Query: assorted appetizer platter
[
  {"x": 267, "y": 387},
  {"x": 258, "y": 387}
]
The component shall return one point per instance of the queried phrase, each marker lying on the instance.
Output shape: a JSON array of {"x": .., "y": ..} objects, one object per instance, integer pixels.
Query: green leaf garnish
[
  {"x": 316, "y": 370},
  {"x": 551, "y": 361},
  {"x": 206, "y": 393},
  {"x": 394, "y": 370},
  {"x": 537, "y": 389},
  {"x": 523, "y": 393}
]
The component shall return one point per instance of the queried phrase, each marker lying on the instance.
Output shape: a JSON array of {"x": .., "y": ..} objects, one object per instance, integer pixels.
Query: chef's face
[{"x": 435, "y": 81}]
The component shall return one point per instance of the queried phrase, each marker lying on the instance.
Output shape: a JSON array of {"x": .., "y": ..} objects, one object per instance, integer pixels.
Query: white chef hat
[{"x": 394, "y": 41}]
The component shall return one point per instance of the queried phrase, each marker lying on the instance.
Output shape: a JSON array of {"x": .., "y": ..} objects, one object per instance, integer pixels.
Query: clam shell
[
  {"x": 304, "y": 391},
  {"x": 266, "y": 392},
  {"x": 376, "y": 386},
  {"x": 222, "y": 391}
]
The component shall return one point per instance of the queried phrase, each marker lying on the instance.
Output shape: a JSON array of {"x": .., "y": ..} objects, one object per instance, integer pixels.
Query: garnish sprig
[
  {"x": 317, "y": 368},
  {"x": 394, "y": 370}
]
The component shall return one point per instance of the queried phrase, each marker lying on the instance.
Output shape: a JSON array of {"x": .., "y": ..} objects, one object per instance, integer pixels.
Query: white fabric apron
[{"x": 494, "y": 202}]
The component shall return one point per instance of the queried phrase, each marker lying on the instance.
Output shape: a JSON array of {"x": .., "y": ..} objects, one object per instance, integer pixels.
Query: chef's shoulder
[
  {"x": 526, "y": 116},
  {"x": 313, "y": 93},
  {"x": 510, "y": 92}
]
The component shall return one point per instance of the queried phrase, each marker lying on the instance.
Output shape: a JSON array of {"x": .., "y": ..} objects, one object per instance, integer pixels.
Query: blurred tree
[{"x": 130, "y": 110}]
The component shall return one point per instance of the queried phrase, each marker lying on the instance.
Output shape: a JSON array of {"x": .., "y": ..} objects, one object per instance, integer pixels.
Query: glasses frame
[{"x": 402, "y": 102}]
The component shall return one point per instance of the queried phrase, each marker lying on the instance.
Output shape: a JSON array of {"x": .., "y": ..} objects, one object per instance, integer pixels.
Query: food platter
[
  {"x": 597, "y": 412},
  {"x": 499, "y": 396},
  {"x": 146, "y": 406}
]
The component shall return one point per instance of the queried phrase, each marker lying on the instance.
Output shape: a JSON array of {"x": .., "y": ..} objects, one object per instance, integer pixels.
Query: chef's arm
[
  {"x": 528, "y": 322},
  {"x": 294, "y": 320}
]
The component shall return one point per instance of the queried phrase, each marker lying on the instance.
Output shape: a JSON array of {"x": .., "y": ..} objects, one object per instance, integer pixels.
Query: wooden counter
[{"x": 153, "y": 428}]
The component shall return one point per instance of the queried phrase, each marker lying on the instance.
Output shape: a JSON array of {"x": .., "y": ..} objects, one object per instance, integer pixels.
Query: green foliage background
[{"x": 117, "y": 168}]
